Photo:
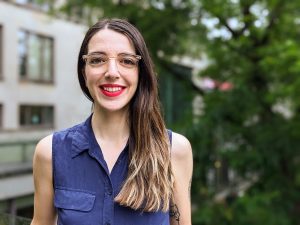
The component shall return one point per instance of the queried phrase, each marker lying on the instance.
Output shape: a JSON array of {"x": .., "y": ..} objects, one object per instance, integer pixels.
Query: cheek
[
  {"x": 89, "y": 76},
  {"x": 135, "y": 78}
]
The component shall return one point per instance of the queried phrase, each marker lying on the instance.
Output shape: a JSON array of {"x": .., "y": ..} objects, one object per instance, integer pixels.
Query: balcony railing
[
  {"x": 6, "y": 219},
  {"x": 17, "y": 152},
  {"x": 16, "y": 182}
]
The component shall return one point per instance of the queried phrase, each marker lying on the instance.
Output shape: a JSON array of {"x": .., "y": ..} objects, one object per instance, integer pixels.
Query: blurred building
[{"x": 39, "y": 91}]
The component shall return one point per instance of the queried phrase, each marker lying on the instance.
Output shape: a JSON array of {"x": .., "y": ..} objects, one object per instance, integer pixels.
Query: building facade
[{"x": 39, "y": 91}]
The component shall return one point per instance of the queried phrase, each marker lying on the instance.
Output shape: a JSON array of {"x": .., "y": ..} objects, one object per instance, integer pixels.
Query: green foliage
[
  {"x": 257, "y": 209},
  {"x": 255, "y": 126}
]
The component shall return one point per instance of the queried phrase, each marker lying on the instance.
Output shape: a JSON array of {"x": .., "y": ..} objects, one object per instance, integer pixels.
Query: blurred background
[{"x": 229, "y": 76}]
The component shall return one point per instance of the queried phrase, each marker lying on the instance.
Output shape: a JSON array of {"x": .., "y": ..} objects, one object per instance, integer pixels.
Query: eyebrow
[
  {"x": 104, "y": 53},
  {"x": 96, "y": 52}
]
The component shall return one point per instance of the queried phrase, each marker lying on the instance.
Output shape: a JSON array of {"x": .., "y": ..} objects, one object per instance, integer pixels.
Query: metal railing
[
  {"x": 16, "y": 151},
  {"x": 15, "y": 161},
  {"x": 6, "y": 219}
]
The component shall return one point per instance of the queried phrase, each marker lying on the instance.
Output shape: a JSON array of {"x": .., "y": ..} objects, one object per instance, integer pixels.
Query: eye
[
  {"x": 97, "y": 60},
  {"x": 128, "y": 61}
]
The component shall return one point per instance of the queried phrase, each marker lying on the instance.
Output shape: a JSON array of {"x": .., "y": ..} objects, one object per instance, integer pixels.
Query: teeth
[{"x": 112, "y": 89}]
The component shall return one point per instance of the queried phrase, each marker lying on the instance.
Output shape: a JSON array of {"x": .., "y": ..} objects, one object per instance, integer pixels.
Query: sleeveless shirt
[{"x": 84, "y": 190}]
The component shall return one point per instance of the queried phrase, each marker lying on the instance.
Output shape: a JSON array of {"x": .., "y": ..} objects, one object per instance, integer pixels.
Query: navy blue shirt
[{"x": 84, "y": 190}]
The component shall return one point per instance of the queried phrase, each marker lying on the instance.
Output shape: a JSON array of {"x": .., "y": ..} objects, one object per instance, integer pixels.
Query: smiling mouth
[{"x": 112, "y": 91}]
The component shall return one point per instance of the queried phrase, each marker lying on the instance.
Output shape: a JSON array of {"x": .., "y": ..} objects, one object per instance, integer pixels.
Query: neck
[{"x": 110, "y": 125}]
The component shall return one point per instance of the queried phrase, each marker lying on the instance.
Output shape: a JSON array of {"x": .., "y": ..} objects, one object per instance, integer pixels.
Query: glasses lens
[
  {"x": 123, "y": 61},
  {"x": 127, "y": 61},
  {"x": 96, "y": 60}
]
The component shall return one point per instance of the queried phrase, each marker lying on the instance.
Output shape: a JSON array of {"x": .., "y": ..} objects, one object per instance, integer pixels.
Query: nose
[{"x": 112, "y": 69}]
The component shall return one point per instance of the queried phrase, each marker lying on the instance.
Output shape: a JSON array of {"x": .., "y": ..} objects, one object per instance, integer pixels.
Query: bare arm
[
  {"x": 182, "y": 166},
  {"x": 44, "y": 211}
]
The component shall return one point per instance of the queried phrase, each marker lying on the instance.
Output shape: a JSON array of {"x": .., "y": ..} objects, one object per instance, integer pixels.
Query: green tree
[{"x": 253, "y": 128}]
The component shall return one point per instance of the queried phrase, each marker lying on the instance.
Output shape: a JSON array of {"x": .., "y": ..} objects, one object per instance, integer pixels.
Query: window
[
  {"x": 36, "y": 116},
  {"x": 44, "y": 5},
  {"x": 1, "y": 116},
  {"x": 1, "y": 58},
  {"x": 35, "y": 57}
]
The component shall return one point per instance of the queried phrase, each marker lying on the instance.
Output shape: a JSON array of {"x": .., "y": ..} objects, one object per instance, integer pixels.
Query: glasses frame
[{"x": 85, "y": 57}]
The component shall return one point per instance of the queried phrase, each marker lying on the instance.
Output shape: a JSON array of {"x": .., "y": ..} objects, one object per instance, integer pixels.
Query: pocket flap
[{"x": 75, "y": 200}]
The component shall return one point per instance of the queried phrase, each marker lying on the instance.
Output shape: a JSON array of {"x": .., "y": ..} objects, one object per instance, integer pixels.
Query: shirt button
[{"x": 109, "y": 192}]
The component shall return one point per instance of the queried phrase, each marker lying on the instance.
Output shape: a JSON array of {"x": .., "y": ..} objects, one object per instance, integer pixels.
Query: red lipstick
[{"x": 112, "y": 90}]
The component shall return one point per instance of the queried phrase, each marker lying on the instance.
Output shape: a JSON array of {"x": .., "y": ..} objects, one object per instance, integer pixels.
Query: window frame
[
  {"x": 45, "y": 6},
  {"x": 27, "y": 77},
  {"x": 1, "y": 116},
  {"x": 41, "y": 107},
  {"x": 1, "y": 52}
]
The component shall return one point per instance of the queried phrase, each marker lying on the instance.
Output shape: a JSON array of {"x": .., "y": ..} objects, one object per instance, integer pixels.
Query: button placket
[
  {"x": 108, "y": 210},
  {"x": 109, "y": 192}
]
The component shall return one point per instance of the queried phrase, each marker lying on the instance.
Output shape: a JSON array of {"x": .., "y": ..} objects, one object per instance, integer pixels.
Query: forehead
[{"x": 110, "y": 41}]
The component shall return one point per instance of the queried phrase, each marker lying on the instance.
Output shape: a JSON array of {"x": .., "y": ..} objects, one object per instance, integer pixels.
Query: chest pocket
[{"x": 73, "y": 206}]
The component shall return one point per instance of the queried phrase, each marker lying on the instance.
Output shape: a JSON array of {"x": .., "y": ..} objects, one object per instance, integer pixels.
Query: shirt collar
[{"x": 80, "y": 140}]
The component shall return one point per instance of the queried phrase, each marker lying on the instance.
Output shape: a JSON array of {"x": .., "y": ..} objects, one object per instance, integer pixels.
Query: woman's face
[{"x": 111, "y": 70}]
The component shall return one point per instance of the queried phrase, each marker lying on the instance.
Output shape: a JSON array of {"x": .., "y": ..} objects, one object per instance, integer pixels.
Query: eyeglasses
[{"x": 123, "y": 60}]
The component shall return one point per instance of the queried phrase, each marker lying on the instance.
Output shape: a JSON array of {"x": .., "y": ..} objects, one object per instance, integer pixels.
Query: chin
[{"x": 114, "y": 107}]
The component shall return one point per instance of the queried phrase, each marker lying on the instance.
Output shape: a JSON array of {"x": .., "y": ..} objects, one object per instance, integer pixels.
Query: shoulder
[
  {"x": 42, "y": 160},
  {"x": 181, "y": 158},
  {"x": 43, "y": 150},
  {"x": 74, "y": 132},
  {"x": 44, "y": 212},
  {"x": 181, "y": 148},
  {"x": 70, "y": 130}
]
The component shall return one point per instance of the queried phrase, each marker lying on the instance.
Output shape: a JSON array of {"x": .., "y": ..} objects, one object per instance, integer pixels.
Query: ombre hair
[{"x": 149, "y": 183}]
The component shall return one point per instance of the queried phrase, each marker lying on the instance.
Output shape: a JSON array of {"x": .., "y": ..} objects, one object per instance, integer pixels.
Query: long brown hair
[{"x": 149, "y": 182}]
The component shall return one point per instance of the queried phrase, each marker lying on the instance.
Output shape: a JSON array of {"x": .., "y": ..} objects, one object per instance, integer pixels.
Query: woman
[{"x": 121, "y": 166}]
